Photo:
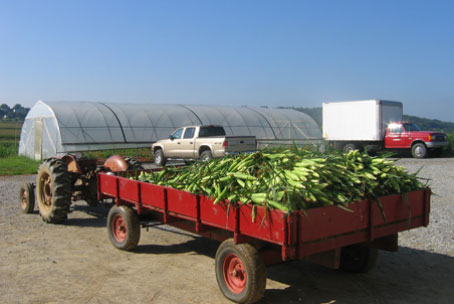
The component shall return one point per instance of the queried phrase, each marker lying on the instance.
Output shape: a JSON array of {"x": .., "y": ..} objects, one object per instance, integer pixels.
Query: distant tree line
[
  {"x": 424, "y": 123},
  {"x": 16, "y": 113}
]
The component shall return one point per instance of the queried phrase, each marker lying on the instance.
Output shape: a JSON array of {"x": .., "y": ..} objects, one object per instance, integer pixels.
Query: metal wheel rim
[
  {"x": 119, "y": 228},
  {"x": 206, "y": 158},
  {"x": 24, "y": 198},
  {"x": 234, "y": 272},
  {"x": 158, "y": 158},
  {"x": 46, "y": 190},
  {"x": 418, "y": 151}
]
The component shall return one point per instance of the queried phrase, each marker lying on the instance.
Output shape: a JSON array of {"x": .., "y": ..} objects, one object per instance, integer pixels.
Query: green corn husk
[{"x": 290, "y": 180}]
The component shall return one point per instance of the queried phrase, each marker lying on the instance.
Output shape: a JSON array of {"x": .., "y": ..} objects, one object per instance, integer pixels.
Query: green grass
[{"x": 17, "y": 165}]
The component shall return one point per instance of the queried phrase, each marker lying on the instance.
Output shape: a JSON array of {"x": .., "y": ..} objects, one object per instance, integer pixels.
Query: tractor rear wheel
[
  {"x": 53, "y": 190},
  {"x": 27, "y": 197}
]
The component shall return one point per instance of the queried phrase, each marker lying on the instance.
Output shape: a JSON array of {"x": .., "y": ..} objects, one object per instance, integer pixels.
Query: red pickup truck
[
  {"x": 375, "y": 125},
  {"x": 406, "y": 135}
]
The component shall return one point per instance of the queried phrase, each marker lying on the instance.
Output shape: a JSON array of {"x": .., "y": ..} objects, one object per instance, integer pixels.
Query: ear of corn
[{"x": 290, "y": 180}]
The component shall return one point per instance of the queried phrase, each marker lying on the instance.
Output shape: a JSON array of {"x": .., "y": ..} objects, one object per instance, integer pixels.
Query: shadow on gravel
[
  {"x": 98, "y": 213},
  {"x": 407, "y": 276},
  {"x": 197, "y": 245}
]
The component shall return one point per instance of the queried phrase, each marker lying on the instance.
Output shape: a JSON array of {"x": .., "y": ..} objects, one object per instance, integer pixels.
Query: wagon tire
[
  {"x": 206, "y": 156},
  {"x": 419, "y": 150},
  {"x": 133, "y": 163},
  {"x": 159, "y": 158},
  {"x": 53, "y": 191},
  {"x": 240, "y": 272},
  {"x": 123, "y": 227},
  {"x": 27, "y": 197},
  {"x": 358, "y": 258}
]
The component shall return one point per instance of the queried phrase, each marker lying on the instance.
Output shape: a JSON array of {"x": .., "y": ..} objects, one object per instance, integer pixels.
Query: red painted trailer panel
[
  {"x": 182, "y": 202},
  {"x": 268, "y": 225},
  {"x": 216, "y": 215},
  {"x": 153, "y": 195}
]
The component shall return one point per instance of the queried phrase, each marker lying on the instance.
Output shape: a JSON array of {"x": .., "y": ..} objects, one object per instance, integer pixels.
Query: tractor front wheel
[{"x": 27, "y": 197}]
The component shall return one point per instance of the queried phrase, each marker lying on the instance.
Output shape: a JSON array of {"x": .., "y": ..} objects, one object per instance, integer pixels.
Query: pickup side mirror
[{"x": 171, "y": 137}]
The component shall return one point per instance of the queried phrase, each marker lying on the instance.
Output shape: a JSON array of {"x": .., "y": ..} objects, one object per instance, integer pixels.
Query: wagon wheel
[
  {"x": 133, "y": 164},
  {"x": 53, "y": 190},
  {"x": 240, "y": 272},
  {"x": 358, "y": 258},
  {"x": 27, "y": 197},
  {"x": 123, "y": 227}
]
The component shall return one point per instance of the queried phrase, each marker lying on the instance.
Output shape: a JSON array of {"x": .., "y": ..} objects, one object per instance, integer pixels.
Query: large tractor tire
[
  {"x": 53, "y": 191},
  {"x": 133, "y": 164}
]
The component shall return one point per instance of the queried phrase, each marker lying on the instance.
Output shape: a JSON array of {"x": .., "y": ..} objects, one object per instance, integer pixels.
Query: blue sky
[{"x": 256, "y": 53}]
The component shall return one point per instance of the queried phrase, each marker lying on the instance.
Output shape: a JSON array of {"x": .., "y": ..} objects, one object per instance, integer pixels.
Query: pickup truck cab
[
  {"x": 200, "y": 142},
  {"x": 406, "y": 135}
]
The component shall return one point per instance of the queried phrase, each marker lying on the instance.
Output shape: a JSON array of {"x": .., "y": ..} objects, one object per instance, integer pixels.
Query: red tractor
[{"x": 69, "y": 178}]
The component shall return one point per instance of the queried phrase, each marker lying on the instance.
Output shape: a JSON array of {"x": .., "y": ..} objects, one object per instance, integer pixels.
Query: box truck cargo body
[
  {"x": 374, "y": 125},
  {"x": 364, "y": 120}
]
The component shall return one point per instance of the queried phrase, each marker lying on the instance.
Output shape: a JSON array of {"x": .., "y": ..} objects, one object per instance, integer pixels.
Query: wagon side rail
[{"x": 300, "y": 234}]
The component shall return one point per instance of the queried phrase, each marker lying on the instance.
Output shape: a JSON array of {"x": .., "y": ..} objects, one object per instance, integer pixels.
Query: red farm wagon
[{"x": 329, "y": 236}]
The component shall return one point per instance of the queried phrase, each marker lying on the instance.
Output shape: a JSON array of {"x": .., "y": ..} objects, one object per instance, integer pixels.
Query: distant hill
[{"x": 423, "y": 123}]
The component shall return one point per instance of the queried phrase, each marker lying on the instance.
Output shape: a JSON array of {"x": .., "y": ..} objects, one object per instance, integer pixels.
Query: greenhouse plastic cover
[{"x": 80, "y": 126}]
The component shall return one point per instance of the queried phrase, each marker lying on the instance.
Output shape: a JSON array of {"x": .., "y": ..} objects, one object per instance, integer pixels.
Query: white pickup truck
[{"x": 200, "y": 142}]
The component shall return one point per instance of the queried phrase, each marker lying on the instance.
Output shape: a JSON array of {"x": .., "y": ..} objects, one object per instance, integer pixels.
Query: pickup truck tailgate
[{"x": 240, "y": 144}]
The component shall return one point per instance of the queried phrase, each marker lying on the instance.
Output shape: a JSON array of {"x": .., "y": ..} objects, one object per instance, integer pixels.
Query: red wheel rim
[
  {"x": 119, "y": 228},
  {"x": 234, "y": 273}
]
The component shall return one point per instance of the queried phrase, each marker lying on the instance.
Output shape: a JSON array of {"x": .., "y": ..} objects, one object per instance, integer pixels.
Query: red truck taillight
[{"x": 225, "y": 144}]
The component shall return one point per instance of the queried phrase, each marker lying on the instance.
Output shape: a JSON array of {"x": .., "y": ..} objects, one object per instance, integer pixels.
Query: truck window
[
  {"x": 177, "y": 134},
  {"x": 395, "y": 128},
  {"x": 409, "y": 127},
  {"x": 189, "y": 133},
  {"x": 211, "y": 131}
]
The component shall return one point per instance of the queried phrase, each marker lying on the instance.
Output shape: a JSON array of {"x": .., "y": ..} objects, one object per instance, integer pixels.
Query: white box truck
[{"x": 374, "y": 125}]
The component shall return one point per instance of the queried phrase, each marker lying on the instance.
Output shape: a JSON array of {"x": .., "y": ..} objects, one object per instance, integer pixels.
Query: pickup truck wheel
[
  {"x": 358, "y": 258},
  {"x": 123, "y": 227},
  {"x": 206, "y": 156},
  {"x": 159, "y": 158},
  {"x": 27, "y": 197},
  {"x": 240, "y": 272},
  {"x": 419, "y": 150}
]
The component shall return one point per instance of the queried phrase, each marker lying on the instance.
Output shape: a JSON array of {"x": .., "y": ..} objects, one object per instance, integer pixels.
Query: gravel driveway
[{"x": 75, "y": 262}]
